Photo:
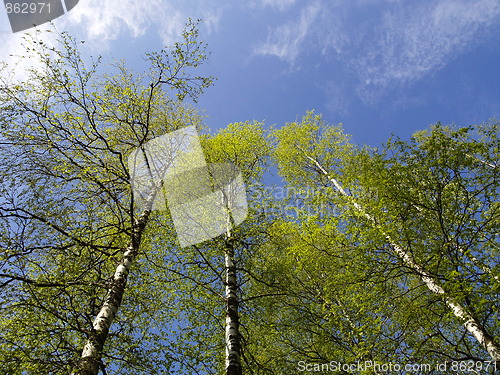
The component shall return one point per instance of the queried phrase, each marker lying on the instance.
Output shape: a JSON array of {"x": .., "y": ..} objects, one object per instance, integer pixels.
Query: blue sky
[{"x": 377, "y": 66}]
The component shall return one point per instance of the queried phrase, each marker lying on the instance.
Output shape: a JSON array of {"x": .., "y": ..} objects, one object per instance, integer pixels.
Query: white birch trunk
[
  {"x": 233, "y": 344},
  {"x": 470, "y": 323},
  {"x": 232, "y": 334},
  {"x": 90, "y": 360}
]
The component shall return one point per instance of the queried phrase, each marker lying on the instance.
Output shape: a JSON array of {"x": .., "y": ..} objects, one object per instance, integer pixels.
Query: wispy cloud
[
  {"x": 102, "y": 22},
  {"x": 278, "y": 4},
  {"x": 106, "y": 20},
  {"x": 384, "y": 43},
  {"x": 13, "y": 52},
  {"x": 412, "y": 41},
  {"x": 287, "y": 41},
  {"x": 95, "y": 21}
]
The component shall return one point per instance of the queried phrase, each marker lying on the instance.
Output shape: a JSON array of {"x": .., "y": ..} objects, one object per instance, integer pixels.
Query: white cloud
[
  {"x": 278, "y": 4},
  {"x": 92, "y": 20},
  {"x": 384, "y": 43},
  {"x": 106, "y": 19},
  {"x": 413, "y": 41},
  {"x": 287, "y": 41},
  {"x": 102, "y": 22},
  {"x": 14, "y": 53}
]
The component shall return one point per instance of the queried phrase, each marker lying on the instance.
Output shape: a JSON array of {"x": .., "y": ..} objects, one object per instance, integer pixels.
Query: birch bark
[
  {"x": 90, "y": 360},
  {"x": 470, "y": 323},
  {"x": 233, "y": 344}
]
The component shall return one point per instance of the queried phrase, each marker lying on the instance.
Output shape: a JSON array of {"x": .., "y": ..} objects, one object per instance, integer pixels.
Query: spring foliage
[{"x": 319, "y": 281}]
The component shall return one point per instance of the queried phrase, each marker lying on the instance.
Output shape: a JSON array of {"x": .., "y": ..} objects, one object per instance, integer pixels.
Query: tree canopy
[{"x": 381, "y": 256}]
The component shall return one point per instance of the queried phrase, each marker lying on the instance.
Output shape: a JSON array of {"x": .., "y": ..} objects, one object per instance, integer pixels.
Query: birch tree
[
  {"x": 425, "y": 208},
  {"x": 245, "y": 145},
  {"x": 70, "y": 228}
]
